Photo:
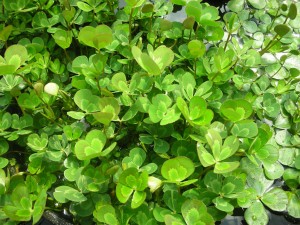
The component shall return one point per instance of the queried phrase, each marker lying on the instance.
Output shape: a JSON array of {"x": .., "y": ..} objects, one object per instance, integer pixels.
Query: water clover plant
[{"x": 115, "y": 113}]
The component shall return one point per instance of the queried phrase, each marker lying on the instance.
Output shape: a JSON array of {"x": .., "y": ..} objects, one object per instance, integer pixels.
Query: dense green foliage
[{"x": 122, "y": 116}]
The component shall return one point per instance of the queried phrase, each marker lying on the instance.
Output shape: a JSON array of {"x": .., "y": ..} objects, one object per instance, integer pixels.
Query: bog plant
[{"x": 121, "y": 116}]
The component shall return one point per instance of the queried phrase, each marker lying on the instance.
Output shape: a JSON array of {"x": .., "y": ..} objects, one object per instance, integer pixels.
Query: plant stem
[
  {"x": 227, "y": 41},
  {"x": 130, "y": 25},
  {"x": 269, "y": 45},
  {"x": 195, "y": 65},
  {"x": 67, "y": 56}
]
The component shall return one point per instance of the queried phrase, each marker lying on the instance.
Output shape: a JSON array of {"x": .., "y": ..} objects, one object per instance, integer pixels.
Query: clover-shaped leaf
[
  {"x": 256, "y": 214},
  {"x": 195, "y": 212},
  {"x": 20, "y": 207},
  {"x": 91, "y": 146},
  {"x": 276, "y": 199},
  {"x": 29, "y": 101},
  {"x": 109, "y": 108},
  {"x": 86, "y": 101},
  {"x": 156, "y": 61},
  {"x": 64, "y": 194},
  {"x": 105, "y": 213},
  {"x": 14, "y": 57},
  {"x": 15, "y": 5},
  {"x": 271, "y": 106},
  {"x": 220, "y": 152},
  {"x": 96, "y": 37},
  {"x": 177, "y": 169},
  {"x": 196, "y": 113},
  {"x": 245, "y": 128},
  {"x": 135, "y": 159},
  {"x": 159, "y": 107},
  {"x": 36, "y": 142},
  {"x": 63, "y": 38},
  {"x": 119, "y": 82},
  {"x": 131, "y": 181},
  {"x": 236, "y": 109}
]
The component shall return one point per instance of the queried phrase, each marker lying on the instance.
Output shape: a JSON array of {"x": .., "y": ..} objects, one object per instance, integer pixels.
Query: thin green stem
[
  {"x": 130, "y": 25},
  {"x": 67, "y": 56},
  {"x": 227, "y": 41},
  {"x": 269, "y": 45}
]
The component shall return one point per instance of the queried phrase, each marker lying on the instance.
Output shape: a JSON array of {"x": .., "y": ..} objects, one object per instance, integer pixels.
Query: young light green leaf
[
  {"x": 196, "y": 48},
  {"x": 177, "y": 169},
  {"x": 65, "y": 193},
  {"x": 91, "y": 146}
]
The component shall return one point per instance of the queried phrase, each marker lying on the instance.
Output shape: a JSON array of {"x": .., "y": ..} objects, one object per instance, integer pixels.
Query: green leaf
[
  {"x": 258, "y": 4},
  {"x": 39, "y": 206},
  {"x": 135, "y": 159},
  {"x": 276, "y": 199},
  {"x": 256, "y": 214},
  {"x": 91, "y": 146},
  {"x": 159, "y": 107},
  {"x": 177, "y": 169},
  {"x": 3, "y": 146},
  {"x": 119, "y": 82},
  {"x": 63, "y": 38},
  {"x": 205, "y": 157},
  {"x": 293, "y": 207},
  {"x": 271, "y": 106},
  {"x": 292, "y": 14},
  {"x": 29, "y": 101},
  {"x": 16, "y": 51},
  {"x": 230, "y": 146},
  {"x": 171, "y": 116},
  {"x": 76, "y": 115},
  {"x": 281, "y": 29},
  {"x": 145, "y": 61},
  {"x": 159, "y": 213},
  {"x": 84, "y": 6},
  {"x": 156, "y": 61},
  {"x": 86, "y": 101},
  {"x": 245, "y": 128},
  {"x": 65, "y": 193},
  {"x": 236, "y": 5},
  {"x": 135, "y": 3},
  {"x": 193, "y": 9},
  {"x": 161, "y": 146},
  {"x": 195, "y": 212},
  {"x": 106, "y": 214},
  {"x": 123, "y": 193},
  {"x": 268, "y": 154},
  {"x": 223, "y": 204},
  {"x": 138, "y": 198},
  {"x": 214, "y": 141},
  {"x": 5, "y": 121},
  {"x": 226, "y": 167},
  {"x": 36, "y": 142},
  {"x": 96, "y": 37},
  {"x": 196, "y": 48},
  {"x": 3, "y": 162},
  {"x": 5, "y": 33},
  {"x": 236, "y": 109},
  {"x": 173, "y": 220}
]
